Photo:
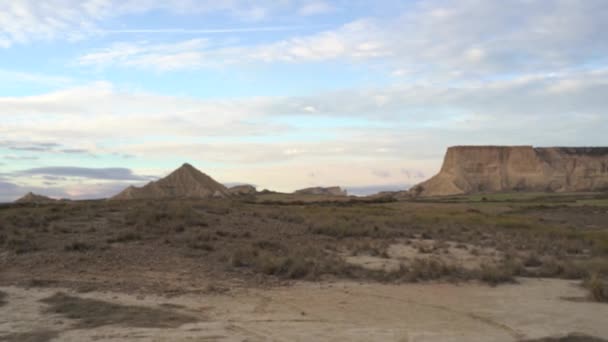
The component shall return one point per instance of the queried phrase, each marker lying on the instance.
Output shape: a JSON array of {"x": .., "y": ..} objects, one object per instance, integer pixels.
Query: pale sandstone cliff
[{"x": 478, "y": 169}]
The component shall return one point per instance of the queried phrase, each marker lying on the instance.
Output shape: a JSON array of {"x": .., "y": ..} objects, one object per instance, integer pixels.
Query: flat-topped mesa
[
  {"x": 185, "y": 182},
  {"x": 480, "y": 169},
  {"x": 328, "y": 191}
]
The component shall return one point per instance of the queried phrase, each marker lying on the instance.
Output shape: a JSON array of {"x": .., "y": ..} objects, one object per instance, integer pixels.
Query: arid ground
[{"x": 503, "y": 267}]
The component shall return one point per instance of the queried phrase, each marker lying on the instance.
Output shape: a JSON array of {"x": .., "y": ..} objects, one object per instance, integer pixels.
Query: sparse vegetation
[
  {"x": 3, "y": 296},
  {"x": 95, "y": 313},
  {"x": 497, "y": 274},
  {"x": 125, "y": 237},
  {"x": 530, "y": 236},
  {"x": 41, "y": 335},
  {"x": 598, "y": 288},
  {"x": 78, "y": 246},
  {"x": 569, "y": 338},
  {"x": 21, "y": 245},
  {"x": 276, "y": 260}
]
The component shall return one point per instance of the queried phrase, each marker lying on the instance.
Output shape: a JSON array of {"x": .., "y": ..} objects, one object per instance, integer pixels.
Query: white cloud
[
  {"x": 316, "y": 7},
  {"x": 475, "y": 55},
  {"x": 518, "y": 66},
  {"x": 250, "y": 142},
  {"x": 355, "y": 41},
  {"x": 434, "y": 41},
  {"x": 397, "y": 116},
  {"x": 180, "y": 55},
  {"x": 24, "y": 21},
  {"x": 11, "y": 76}
]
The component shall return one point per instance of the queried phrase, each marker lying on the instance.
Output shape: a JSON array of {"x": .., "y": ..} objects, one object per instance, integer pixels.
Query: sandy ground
[
  {"x": 453, "y": 253},
  {"x": 343, "y": 311}
]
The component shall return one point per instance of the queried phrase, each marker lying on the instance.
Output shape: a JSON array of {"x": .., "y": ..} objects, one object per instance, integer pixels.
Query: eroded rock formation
[
  {"x": 31, "y": 197},
  {"x": 185, "y": 182},
  {"x": 329, "y": 191},
  {"x": 242, "y": 190},
  {"x": 479, "y": 169}
]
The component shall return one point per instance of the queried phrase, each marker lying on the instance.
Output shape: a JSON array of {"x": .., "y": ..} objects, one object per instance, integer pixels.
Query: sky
[{"x": 96, "y": 95}]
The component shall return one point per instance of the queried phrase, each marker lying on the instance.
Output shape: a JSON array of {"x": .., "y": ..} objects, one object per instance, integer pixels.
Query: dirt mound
[
  {"x": 31, "y": 197},
  {"x": 329, "y": 191},
  {"x": 185, "y": 182},
  {"x": 242, "y": 190},
  {"x": 478, "y": 169}
]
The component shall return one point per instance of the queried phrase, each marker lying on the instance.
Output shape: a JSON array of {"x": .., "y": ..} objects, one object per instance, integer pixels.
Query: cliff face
[{"x": 476, "y": 169}]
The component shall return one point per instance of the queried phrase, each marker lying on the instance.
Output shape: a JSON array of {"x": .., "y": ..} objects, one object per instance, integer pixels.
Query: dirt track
[{"x": 342, "y": 311}]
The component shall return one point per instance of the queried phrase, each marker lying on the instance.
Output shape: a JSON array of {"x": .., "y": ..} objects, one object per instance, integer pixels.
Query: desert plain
[{"x": 279, "y": 267}]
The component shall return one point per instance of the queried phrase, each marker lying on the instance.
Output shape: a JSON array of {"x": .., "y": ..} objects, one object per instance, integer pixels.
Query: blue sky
[{"x": 99, "y": 94}]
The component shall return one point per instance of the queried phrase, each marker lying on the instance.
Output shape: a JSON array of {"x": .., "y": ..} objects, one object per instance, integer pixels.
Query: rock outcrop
[
  {"x": 242, "y": 190},
  {"x": 484, "y": 169},
  {"x": 329, "y": 191},
  {"x": 185, "y": 182},
  {"x": 31, "y": 197},
  {"x": 390, "y": 195}
]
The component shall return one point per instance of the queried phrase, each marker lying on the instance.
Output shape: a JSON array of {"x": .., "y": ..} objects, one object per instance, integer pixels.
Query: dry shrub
[
  {"x": 598, "y": 288},
  {"x": 532, "y": 260},
  {"x": 38, "y": 335},
  {"x": 276, "y": 260},
  {"x": 555, "y": 268},
  {"x": 497, "y": 274},
  {"x": 92, "y": 313},
  {"x": 428, "y": 269},
  {"x": 575, "y": 337},
  {"x": 78, "y": 246},
  {"x": 22, "y": 245},
  {"x": 125, "y": 237}
]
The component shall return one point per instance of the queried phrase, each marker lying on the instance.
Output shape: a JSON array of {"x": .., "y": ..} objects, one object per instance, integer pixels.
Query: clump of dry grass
[
  {"x": 598, "y": 288},
  {"x": 3, "y": 296},
  {"x": 92, "y": 313},
  {"x": 125, "y": 237},
  {"x": 274, "y": 259},
  {"x": 575, "y": 337},
  {"x": 430, "y": 269},
  {"x": 78, "y": 246},
  {"x": 21, "y": 245},
  {"x": 551, "y": 267},
  {"x": 495, "y": 274},
  {"x": 40, "y": 335}
]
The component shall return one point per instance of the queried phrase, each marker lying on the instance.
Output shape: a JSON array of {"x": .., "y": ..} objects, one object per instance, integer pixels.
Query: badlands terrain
[
  {"x": 186, "y": 259},
  {"x": 479, "y": 169}
]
